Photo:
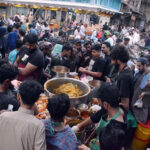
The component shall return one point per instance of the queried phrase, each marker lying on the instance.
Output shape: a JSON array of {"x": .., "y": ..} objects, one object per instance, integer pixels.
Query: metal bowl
[
  {"x": 54, "y": 83},
  {"x": 95, "y": 83},
  {"x": 61, "y": 71},
  {"x": 72, "y": 113},
  {"x": 82, "y": 107}
]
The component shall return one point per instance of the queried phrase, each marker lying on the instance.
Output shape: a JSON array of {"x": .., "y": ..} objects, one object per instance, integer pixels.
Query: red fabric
[
  {"x": 99, "y": 35},
  {"x": 34, "y": 75},
  {"x": 146, "y": 125}
]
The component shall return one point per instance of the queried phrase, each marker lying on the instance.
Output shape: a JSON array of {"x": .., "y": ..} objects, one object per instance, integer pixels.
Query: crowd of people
[{"x": 29, "y": 50}]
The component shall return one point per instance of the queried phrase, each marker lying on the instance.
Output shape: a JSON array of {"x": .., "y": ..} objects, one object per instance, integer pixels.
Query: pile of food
[
  {"x": 73, "y": 91},
  {"x": 42, "y": 107}
]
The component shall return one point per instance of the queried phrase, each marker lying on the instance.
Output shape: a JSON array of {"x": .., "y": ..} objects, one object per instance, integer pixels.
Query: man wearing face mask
[
  {"x": 30, "y": 59},
  {"x": 120, "y": 56}
]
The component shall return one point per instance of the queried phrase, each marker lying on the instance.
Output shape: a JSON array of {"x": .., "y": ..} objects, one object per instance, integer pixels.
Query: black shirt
[
  {"x": 105, "y": 27},
  {"x": 99, "y": 66},
  {"x": 125, "y": 84},
  {"x": 107, "y": 65},
  {"x": 5, "y": 100},
  {"x": 34, "y": 57},
  {"x": 97, "y": 116},
  {"x": 86, "y": 59}
]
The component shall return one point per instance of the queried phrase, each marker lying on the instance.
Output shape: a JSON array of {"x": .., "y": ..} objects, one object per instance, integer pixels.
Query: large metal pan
[{"x": 54, "y": 83}]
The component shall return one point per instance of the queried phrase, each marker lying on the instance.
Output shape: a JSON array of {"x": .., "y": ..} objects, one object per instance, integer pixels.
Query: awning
[{"x": 49, "y": 3}]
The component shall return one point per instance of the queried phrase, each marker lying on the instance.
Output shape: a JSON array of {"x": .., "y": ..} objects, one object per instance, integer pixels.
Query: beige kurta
[{"x": 21, "y": 130}]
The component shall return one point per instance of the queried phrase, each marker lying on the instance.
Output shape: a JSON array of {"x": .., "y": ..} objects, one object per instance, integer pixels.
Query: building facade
[
  {"x": 59, "y": 10},
  {"x": 135, "y": 12}
]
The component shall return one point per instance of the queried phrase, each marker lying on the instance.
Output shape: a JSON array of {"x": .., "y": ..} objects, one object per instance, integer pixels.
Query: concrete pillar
[
  {"x": 28, "y": 11},
  {"x": 49, "y": 15},
  {"x": 58, "y": 17},
  {"x": 82, "y": 17},
  {"x": 45, "y": 14},
  {"x": 88, "y": 19},
  {"x": 11, "y": 10},
  {"x": 67, "y": 16},
  {"x": 85, "y": 18},
  {"x": 77, "y": 18}
]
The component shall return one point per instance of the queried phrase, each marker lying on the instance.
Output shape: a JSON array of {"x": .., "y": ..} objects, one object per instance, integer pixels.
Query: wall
[
  {"x": 114, "y": 4},
  {"x": 79, "y": 1}
]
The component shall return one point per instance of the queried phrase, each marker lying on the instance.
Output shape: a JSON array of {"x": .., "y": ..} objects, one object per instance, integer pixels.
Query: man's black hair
[
  {"x": 17, "y": 25},
  {"x": 30, "y": 91},
  {"x": 120, "y": 52},
  {"x": 3, "y": 61},
  {"x": 109, "y": 93},
  {"x": 27, "y": 20},
  {"x": 112, "y": 137},
  {"x": 45, "y": 47},
  {"x": 143, "y": 60},
  {"x": 10, "y": 28},
  {"x": 96, "y": 47},
  {"x": 67, "y": 47},
  {"x": 1, "y": 23},
  {"x": 59, "y": 42},
  {"x": 22, "y": 32},
  {"x": 118, "y": 41},
  {"x": 61, "y": 33},
  {"x": 31, "y": 38},
  {"x": 126, "y": 39},
  {"x": 87, "y": 43},
  {"x": 7, "y": 71},
  {"x": 58, "y": 106},
  {"x": 107, "y": 44},
  {"x": 19, "y": 43},
  {"x": 76, "y": 41},
  {"x": 30, "y": 26}
]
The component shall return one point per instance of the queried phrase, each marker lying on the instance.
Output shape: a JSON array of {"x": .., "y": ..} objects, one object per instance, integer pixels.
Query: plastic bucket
[{"x": 141, "y": 138}]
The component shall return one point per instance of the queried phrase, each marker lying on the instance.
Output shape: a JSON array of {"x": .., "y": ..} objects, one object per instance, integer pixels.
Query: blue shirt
[
  {"x": 3, "y": 31},
  {"x": 11, "y": 40},
  {"x": 63, "y": 140},
  {"x": 34, "y": 31},
  {"x": 145, "y": 80},
  {"x": 12, "y": 56}
]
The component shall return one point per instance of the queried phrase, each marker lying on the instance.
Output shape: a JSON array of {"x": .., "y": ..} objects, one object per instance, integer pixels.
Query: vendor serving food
[
  {"x": 109, "y": 96},
  {"x": 97, "y": 64}
]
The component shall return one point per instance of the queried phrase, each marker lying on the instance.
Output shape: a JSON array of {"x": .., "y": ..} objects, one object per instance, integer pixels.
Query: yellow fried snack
[{"x": 73, "y": 91}]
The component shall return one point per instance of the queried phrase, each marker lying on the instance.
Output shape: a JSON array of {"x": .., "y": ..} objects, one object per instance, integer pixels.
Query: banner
[
  {"x": 35, "y": 6},
  {"x": 2, "y": 4},
  {"x": 64, "y": 9}
]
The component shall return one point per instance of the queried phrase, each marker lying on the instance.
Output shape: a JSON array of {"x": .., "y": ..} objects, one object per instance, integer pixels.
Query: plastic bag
[{"x": 139, "y": 103}]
